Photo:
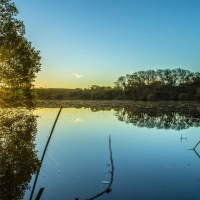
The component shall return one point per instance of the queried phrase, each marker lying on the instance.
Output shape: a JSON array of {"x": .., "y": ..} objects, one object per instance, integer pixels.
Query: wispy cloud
[
  {"x": 77, "y": 75},
  {"x": 77, "y": 120}
]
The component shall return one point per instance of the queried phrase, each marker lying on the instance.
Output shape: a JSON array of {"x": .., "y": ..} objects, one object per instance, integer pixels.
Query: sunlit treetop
[{"x": 19, "y": 61}]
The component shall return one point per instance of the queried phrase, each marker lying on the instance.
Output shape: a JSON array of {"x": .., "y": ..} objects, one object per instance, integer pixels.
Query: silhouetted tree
[{"x": 19, "y": 61}]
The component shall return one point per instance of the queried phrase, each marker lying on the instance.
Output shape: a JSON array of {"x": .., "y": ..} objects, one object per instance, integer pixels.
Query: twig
[
  {"x": 194, "y": 149},
  {"x": 108, "y": 189},
  {"x": 196, "y": 153},
  {"x": 196, "y": 145},
  {"x": 39, "y": 194},
  {"x": 44, "y": 153}
]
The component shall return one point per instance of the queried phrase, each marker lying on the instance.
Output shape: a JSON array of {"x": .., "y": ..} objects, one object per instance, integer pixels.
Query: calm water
[
  {"x": 150, "y": 163},
  {"x": 149, "y": 151}
]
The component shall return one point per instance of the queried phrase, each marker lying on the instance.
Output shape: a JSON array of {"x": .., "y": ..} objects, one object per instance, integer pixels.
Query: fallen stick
[
  {"x": 44, "y": 153},
  {"x": 108, "y": 189}
]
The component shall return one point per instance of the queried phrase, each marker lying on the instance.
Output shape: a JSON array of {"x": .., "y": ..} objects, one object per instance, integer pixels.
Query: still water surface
[{"x": 149, "y": 151}]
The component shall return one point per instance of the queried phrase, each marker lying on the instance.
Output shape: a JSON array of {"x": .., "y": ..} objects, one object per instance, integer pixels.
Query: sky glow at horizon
[{"x": 93, "y": 42}]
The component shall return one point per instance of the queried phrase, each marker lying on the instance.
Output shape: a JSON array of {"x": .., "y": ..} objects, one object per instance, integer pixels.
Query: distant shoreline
[{"x": 107, "y": 103}]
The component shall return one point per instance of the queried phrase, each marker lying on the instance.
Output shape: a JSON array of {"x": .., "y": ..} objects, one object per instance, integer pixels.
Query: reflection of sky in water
[
  {"x": 149, "y": 163},
  {"x": 77, "y": 120}
]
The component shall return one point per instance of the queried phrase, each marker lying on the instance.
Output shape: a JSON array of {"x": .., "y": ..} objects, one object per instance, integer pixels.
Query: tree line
[{"x": 176, "y": 84}]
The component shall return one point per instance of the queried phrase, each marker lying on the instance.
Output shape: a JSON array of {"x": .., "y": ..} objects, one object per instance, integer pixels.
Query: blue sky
[{"x": 93, "y": 42}]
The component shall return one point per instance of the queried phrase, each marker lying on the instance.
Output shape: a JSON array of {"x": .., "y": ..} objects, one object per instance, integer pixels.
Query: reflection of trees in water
[
  {"x": 162, "y": 117},
  {"x": 18, "y": 158}
]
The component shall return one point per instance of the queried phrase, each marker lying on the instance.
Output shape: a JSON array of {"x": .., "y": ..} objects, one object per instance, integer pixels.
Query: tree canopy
[
  {"x": 162, "y": 84},
  {"x": 19, "y": 61},
  {"x": 175, "y": 77}
]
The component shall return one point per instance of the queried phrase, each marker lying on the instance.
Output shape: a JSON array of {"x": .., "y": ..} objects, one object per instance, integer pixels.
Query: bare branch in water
[
  {"x": 194, "y": 149},
  {"x": 196, "y": 145},
  {"x": 108, "y": 189},
  {"x": 44, "y": 153}
]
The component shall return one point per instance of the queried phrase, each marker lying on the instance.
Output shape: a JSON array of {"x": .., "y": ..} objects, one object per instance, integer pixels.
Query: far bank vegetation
[{"x": 176, "y": 84}]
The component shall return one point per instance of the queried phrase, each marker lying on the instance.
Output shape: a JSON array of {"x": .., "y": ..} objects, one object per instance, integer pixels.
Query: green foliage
[
  {"x": 19, "y": 61},
  {"x": 183, "y": 96},
  {"x": 198, "y": 92},
  {"x": 151, "y": 97},
  {"x": 173, "y": 97},
  {"x": 197, "y": 96},
  {"x": 142, "y": 98}
]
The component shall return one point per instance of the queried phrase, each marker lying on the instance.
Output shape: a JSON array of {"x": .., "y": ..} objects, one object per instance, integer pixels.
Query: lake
[{"x": 153, "y": 148}]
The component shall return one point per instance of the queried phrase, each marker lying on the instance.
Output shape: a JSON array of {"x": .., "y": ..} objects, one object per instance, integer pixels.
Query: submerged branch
[
  {"x": 194, "y": 149},
  {"x": 196, "y": 153},
  {"x": 108, "y": 189},
  {"x": 196, "y": 145},
  {"x": 39, "y": 194},
  {"x": 44, "y": 153}
]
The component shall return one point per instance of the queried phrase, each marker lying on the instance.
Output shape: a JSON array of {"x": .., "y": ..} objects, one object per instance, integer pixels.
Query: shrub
[
  {"x": 183, "y": 96},
  {"x": 151, "y": 97},
  {"x": 173, "y": 97},
  {"x": 142, "y": 98}
]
